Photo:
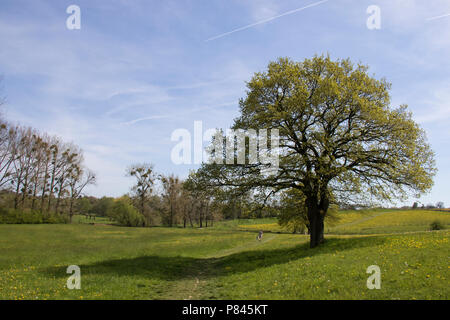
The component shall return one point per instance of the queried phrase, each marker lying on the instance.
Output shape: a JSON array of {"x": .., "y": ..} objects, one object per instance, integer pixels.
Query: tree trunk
[
  {"x": 52, "y": 181},
  {"x": 316, "y": 229},
  {"x": 34, "y": 195},
  {"x": 71, "y": 209},
  {"x": 171, "y": 215},
  {"x": 44, "y": 184},
  {"x": 190, "y": 220},
  {"x": 58, "y": 199},
  {"x": 142, "y": 204},
  {"x": 16, "y": 197},
  {"x": 317, "y": 203},
  {"x": 316, "y": 224}
]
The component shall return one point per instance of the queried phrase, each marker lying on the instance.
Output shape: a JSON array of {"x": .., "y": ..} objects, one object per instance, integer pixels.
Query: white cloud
[{"x": 437, "y": 106}]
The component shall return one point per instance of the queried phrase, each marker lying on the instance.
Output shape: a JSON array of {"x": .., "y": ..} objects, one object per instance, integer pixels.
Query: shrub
[
  {"x": 27, "y": 216},
  {"x": 126, "y": 214},
  {"x": 437, "y": 225}
]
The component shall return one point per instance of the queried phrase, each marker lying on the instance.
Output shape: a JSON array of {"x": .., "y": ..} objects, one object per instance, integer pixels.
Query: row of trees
[
  {"x": 39, "y": 171},
  {"x": 157, "y": 199},
  {"x": 168, "y": 200}
]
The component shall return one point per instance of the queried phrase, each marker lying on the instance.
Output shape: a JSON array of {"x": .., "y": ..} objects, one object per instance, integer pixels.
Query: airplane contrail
[
  {"x": 439, "y": 17},
  {"x": 155, "y": 117},
  {"x": 266, "y": 20}
]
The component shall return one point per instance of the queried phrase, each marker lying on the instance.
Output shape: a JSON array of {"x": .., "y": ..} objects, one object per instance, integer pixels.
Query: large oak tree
[{"x": 339, "y": 138}]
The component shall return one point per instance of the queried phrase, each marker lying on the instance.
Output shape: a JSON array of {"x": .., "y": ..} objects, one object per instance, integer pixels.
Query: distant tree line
[
  {"x": 158, "y": 199},
  {"x": 40, "y": 172},
  {"x": 438, "y": 205}
]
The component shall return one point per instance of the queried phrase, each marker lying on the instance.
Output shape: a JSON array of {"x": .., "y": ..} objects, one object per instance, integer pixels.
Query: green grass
[
  {"x": 387, "y": 221},
  {"x": 221, "y": 262},
  {"x": 267, "y": 224},
  {"x": 412, "y": 267},
  {"x": 375, "y": 221},
  {"x": 78, "y": 218}
]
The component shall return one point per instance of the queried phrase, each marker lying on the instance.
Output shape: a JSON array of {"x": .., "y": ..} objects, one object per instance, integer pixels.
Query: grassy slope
[
  {"x": 221, "y": 263},
  {"x": 379, "y": 221},
  {"x": 413, "y": 266}
]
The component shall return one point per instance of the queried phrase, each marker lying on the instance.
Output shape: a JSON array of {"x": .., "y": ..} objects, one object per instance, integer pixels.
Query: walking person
[{"x": 259, "y": 236}]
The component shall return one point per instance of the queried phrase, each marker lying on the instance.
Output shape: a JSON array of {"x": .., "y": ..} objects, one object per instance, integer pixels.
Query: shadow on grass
[{"x": 178, "y": 267}]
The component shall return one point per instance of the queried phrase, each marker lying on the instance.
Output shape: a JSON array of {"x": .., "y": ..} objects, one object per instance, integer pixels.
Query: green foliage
[
  {"x": 85, "y": 219},
  {"x": 293, "y": 214},
  {"x": 102, "y": 206},
  {"x": 28, "y": 216},
  {"x": 437, "y": 225},
  {"x": 126, "y": 214},
  {"x": 83, "y": 205}
]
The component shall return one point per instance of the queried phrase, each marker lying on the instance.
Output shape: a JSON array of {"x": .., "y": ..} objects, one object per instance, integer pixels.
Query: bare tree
[
  {"x": 54, "y": 170},
  {"x": 143, "y": 188},
  {"x": 78, "y": 179},
  {"x": 172, "y": 193},
  {"x": 23, "y": 149},
  {"x": 201, "y": 198},
  {"x": 187, "y": 206},
  {"x": 69, "y": 161},
  {"x": 51, "y": 143},
  {"x": 39, "y": 168},
  {"x": 7, "y": 152}
]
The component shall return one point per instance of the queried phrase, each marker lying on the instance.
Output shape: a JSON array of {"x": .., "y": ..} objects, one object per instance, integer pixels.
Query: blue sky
[{"x": 138, "y": 70}]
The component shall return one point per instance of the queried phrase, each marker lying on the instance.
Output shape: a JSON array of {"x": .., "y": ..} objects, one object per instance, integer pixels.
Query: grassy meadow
[
  {"x": 374, "y": 221},
  {"x": 227, "y": 262}
]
